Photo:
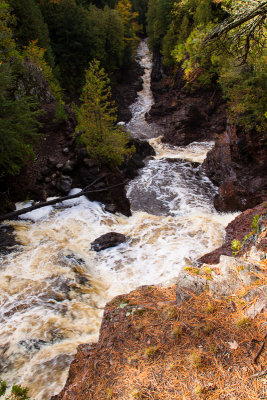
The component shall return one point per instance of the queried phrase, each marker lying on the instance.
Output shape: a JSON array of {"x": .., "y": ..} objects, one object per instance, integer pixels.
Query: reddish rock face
[
  {"x": 238, "y": 162},
  {"x": 238, "y": 165},
  {"x": 237, "y": 229}
]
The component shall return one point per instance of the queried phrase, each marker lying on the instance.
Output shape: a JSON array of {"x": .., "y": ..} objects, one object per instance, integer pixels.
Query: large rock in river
[{"x": 110, "y": 239}]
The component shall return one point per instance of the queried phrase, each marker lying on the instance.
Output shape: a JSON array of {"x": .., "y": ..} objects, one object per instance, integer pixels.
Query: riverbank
[
  {"x": 238, "y": 162},
  {"x": 60, "y": 164},
  {"x": 57, "y": 286},
  {"x": 202, "y": 338}
]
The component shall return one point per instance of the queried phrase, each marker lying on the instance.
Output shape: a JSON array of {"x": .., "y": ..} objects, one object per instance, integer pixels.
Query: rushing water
[{"x": 54, "y": 288}]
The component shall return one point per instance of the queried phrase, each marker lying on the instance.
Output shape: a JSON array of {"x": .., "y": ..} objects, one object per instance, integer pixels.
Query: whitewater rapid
[{"x": 53, "y": 288}]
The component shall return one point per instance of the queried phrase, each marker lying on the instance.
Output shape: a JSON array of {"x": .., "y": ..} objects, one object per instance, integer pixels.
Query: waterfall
[{"x": 53, "y": 288}]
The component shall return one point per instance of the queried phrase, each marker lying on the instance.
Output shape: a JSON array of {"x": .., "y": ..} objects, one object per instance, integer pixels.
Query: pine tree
[
  {"x": 18, "y": 118},
  {"x": 18, "y": 125},
  {"x": 104, "y": 140},
  {"x": 30, "y": 26}
]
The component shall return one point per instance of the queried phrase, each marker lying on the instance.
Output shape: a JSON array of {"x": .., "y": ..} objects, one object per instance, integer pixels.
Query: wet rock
[
  {"x": 237, "y": 164},
  {"x": 65, "y": 150},
  {"x": 68, "y": 166},
  {"x": 143, "y": 150},
  {"x": 111, "y": 208},
  {"x": 64, "y": 184},
  {"x": 110, "y": 239},
  {"x": 47, "y": 180},
  {"x": 7, "y": 239},
  {"x": 59, "y": 165},
  {"x": 51, "y": 162},
  {"x": 32, "y": 344}
]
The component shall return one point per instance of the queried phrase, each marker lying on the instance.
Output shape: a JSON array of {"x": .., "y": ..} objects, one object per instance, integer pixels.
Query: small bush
[
  {"x": 236, "y": 246},
  {"x": 151, "y": 351},
  {"x": 243, "y": 322},
  {"x": 196, "y": 358},
  {"x": 177, "y": 331},
  {"x": 3, "y": 387},
  {"x": 254, "y": 223}
]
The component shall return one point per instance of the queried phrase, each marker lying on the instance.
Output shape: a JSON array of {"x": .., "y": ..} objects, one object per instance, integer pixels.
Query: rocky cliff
[
  {"x": 238, "y": 162},
  {"x": 238, "y": 165}
]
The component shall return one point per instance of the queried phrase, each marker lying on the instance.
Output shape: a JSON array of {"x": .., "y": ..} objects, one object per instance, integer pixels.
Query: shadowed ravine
[{"x": 53, "y": 290}]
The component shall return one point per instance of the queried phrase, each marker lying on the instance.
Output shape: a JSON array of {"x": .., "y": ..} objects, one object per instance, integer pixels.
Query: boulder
[
  {"x": 45, "y": 171},
  {"x": 64, "y": 184},
  {"x": 65, "y": 150},
  {"x": 107, "y": 240},
  {"x": 68, "y": 166},
  {"x": 111, "y": 208},
  {"x": 51, "y": 162},
  {"x": 189, "y": 286}
]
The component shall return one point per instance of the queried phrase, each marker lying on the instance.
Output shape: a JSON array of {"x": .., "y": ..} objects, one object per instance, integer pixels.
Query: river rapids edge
[{"x": 155, "y": 212}]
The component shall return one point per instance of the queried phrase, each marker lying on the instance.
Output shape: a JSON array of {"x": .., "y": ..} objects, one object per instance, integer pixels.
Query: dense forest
[{"x": 215, "y": 43}]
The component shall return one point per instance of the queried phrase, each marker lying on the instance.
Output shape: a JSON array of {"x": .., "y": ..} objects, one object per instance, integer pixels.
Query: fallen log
[{"x": 25, "y": 210}]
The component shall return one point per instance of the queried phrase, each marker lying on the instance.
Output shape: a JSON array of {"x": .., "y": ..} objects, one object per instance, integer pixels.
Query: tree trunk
[{"x": 55, "y": 201}]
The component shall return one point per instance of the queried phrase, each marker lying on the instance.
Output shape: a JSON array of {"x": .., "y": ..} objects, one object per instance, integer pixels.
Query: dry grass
[{"x": 196, "y": 351}]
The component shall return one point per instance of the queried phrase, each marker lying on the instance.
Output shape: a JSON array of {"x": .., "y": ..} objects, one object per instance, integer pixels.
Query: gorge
[{"x": 54, "y": 288}]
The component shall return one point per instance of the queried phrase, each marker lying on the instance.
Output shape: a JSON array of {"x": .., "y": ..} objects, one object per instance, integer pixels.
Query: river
[{"x": 53, "y": 288}]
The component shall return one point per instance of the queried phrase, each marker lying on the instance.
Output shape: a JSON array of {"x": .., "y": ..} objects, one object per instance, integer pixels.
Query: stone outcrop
[
  {"x": 237, "y": 229},
  {"x": 238, "y": 162},
  {"x": 238, "y": 165},
  {"x": 110, "y": 239},
  {"x": 185, "y": 117}
]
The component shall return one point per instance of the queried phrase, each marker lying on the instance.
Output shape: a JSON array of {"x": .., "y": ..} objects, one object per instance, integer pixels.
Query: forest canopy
[{"x": 49, "y": 44}]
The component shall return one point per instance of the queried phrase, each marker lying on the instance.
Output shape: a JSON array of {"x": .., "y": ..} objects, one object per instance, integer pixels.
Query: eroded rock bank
[
  {"x": 238, "y": 229},
  {"x": 238, "y": 162},
  {"x": 185, "y": 117},
  {"x": 238, "y": 165},
  {"x": 203, "y": 337}
]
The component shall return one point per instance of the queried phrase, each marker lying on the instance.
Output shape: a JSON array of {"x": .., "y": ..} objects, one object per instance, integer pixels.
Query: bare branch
[{"x": 57, "y": 200}]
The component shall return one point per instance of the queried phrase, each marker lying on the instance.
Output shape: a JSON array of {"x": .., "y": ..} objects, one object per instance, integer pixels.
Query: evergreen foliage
[
  {"x": 30, "y": 26},
  {"x": 129, "y": 19},
  {"x": 97, "y": 117},
  {"x": 159, "y": 17},
  {"x": 17, "y": 392},
  {"x": 80, "y": 32},
  {"x": 18, "y": 114},
  {"x": 18, "y": 125},
  {"x": 7, "y": 44}
]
